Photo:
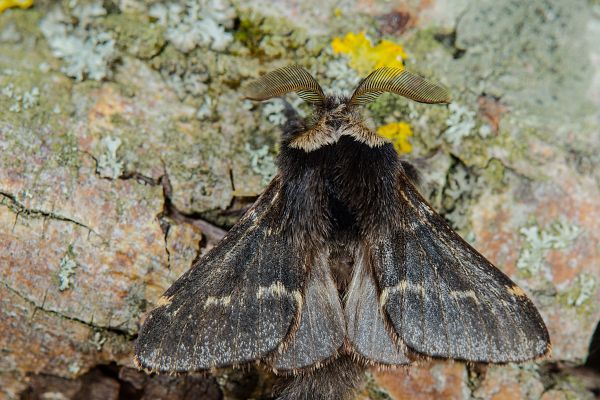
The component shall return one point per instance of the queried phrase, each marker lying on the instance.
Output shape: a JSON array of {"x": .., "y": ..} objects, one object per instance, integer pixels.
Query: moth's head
[{"x": 337, "y": 116}]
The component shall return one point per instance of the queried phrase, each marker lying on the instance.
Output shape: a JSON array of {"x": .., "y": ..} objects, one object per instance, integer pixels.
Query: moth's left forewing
[
  {"x": 444, "y": 299},
  {"x": 235, "y": 305}
]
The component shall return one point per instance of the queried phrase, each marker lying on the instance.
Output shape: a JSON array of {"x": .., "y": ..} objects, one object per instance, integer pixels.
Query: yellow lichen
[
  {"x": 398, "y": 133},
  {"x": 364, "y": 57},
  {"x": 4, "y": 4}
]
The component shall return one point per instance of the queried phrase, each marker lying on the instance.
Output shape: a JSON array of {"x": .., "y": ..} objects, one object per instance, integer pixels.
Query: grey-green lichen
[
  {"x": 87, "y": 52},
  {"x": 109, "y": 165},
  {"x": 135, "y": 34},
  {"x": 97, "y": 340},
  {"x": 460, "y": 123},
  {"x": 538, "y": 241},
  {"x": 20, "y": 100},
  {"x": 462, "y": 185},
  {"x": 195, "y": 23},
  {"x": 341, "y": 78},
  {"x": 273, "y": 111},
  {"x": 262, "y": 163},
  {"x": 581, "y": 290},
  {"x": 66, "y": 270}
]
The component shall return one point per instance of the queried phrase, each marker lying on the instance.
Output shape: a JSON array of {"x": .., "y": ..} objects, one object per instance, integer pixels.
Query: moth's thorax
[
  {"x": 346, "y": 188},
  {"x": 330, "y": 121}
]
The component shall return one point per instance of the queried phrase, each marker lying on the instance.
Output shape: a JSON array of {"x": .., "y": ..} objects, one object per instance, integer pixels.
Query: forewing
[
  {"x": 321, "y": 331},
  {"x": 234, "y": 305},
  {"x": 445, "y": 299},
  {"x": 367, "y": 332}
]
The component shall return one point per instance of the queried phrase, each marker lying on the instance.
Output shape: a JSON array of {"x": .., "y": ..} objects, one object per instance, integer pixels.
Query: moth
[{"x": 340, "y": 264}]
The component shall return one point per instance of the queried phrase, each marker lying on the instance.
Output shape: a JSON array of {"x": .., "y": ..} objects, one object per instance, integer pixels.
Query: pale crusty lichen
[
  {"x": 20, "y": 100},
  {"x": 462, "y": 185},
  {"x": 273, "y": 111},
  {"x": 97, "y": 340},
  {"x": 341, "y": 79},
  {"x": 538, "y": 241},
  {"x": 109, "y": 165},
  {"x": 580, "y": 290},
  {"x": 460, "y": 123},
  {"x": 87, "y": 52},
  {"x": 135, "y": 34},
  {"x": 66, "y": 270},
  {"x": 262, "y": 162},
  {"x": 196, "y": 23}
]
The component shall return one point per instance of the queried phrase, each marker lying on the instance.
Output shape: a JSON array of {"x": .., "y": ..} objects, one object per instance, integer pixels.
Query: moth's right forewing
[
  {"x": 235, "y": 305},
  {"x": 445, "y": 299}
]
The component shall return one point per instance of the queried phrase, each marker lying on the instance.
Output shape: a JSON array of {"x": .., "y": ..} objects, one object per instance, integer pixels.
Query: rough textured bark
[{"x": 129, "y": 152}]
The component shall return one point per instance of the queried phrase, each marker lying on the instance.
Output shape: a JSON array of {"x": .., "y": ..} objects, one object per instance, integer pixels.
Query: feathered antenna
[
  {"x": 399, "y": 81},
  {"x": 284, "y": 80}
]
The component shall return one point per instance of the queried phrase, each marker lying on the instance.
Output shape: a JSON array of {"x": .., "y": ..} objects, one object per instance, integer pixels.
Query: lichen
[
  {"x": 97, "y": 340},
  {"x": 364, "y": 57},
  {"x": 196, "y": 23},
  {"x": 375, "y": 392},
  {"x": 341, "y": 78},
  {"x": 269, "y": 38},
  {"x": 66, "y": 270},
  {"x": 538, "y": 241},
  {"x": 460, "y": 124},
  {"x": 135, "y": 34},
  {"x": 206, "y": 108},
  {"x": 581, "y": 290},
  {"x": 461, "y": 185},
  {"x": 398, "y": 133},
  {"x": 273, "y": 111},
  {"x": 4, "y": 4},
  {"x": 88, "y": 52},
  {"x": 262, "y": 163},
  {"x": 109, "y": 165},
  {"x": 21, "y": 101}
]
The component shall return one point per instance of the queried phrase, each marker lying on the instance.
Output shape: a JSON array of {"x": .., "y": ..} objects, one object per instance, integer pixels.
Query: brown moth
[{"x": 339, "y": 265}]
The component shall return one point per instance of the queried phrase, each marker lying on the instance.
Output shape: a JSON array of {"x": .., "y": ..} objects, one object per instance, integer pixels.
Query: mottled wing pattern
[
  {"x": 235, "y": 305},
  {"x": 368, "y": 335},
  {"x": 321, "y": 331},
  {"x": 445, "y": 299}
]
